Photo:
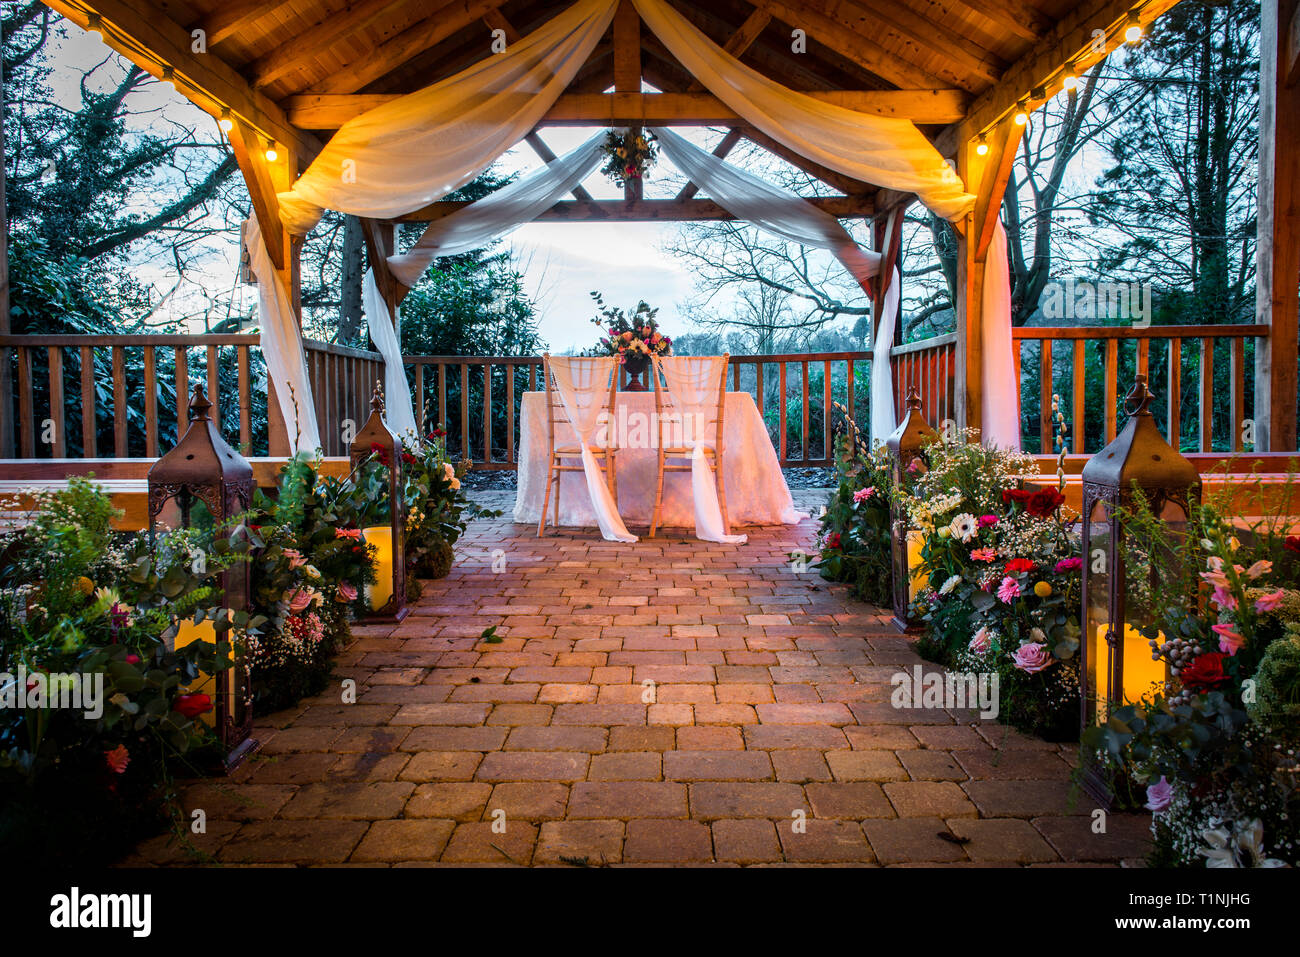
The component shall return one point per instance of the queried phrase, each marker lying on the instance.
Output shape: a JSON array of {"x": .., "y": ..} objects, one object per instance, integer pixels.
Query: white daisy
[{"x": 964, "y": 527}]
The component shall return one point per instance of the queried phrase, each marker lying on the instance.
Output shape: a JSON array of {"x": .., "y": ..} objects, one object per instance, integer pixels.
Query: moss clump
[{"x": 1277, "y": 682}]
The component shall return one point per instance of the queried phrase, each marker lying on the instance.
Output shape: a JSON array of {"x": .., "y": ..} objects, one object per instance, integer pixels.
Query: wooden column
[
  {"x": 627, "y": 71},
  {"x": 1277, "y": 256},
  {"x": 6, "y": 376}
]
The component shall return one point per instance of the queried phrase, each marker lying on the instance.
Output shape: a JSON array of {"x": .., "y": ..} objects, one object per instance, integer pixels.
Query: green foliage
[
  {"x": 1277, "y": 683},
  {"x": 855, "y": 531}
]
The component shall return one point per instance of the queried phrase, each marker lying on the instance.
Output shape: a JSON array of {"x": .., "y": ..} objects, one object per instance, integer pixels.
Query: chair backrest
[
  {"x": 697, "y": 386},
  {"x": 578, "y": 389}
]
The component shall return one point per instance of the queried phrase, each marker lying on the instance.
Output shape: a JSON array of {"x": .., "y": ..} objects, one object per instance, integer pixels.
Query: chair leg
[
  {"x": 722, "y": 494},
  {"x": 559, "y": 484},
  {"x": 659, "y": 494},
  {"x": 546, "y": 500}
]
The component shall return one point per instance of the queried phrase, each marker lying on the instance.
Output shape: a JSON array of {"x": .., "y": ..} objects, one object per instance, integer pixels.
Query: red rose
[
  {"x": 833, "y": 540},
  {"x": 1292, "y": 543},
  {"x": 379, "y": 452},
  {"x": 1015, "y": 495},
  {"x": 193, "y": 705},
  {"x": 1205, "y": 672},
  {"x": 408, "y": 458},
  {"x": 1044, "y": 502},
  {"x": 1019, "y": 565}
]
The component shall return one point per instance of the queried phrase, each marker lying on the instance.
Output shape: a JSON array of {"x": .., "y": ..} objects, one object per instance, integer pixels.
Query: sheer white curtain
[
  {"x": 788, "y": 215},
  {"x": 496, "y": 214},
  {"x": 282, "y": 349},
  {"x": 386, "y": 334},
  {"x": 875, "y": 149},
  {"x": 1000, "y": 408},
  {"x": 413, "y": 150},
  {"x": 693, "y": 384},
  {"x": 584, "y": 385}
]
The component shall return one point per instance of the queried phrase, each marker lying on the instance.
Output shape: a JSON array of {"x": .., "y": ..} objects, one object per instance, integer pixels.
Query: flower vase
[{"x": 634, "y": 368}]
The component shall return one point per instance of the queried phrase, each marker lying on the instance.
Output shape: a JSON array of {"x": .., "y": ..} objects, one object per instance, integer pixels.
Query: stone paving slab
[{"x": 668, "y": 702}]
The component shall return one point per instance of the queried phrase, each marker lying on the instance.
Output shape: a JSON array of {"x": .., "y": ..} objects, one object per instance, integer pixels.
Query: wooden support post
[
  {"x": 627, "y": 72},
  {"x": 1277, "y": 257}
]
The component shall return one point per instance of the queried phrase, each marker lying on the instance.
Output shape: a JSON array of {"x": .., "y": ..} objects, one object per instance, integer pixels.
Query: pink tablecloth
[{"x": 755, "y": 487}]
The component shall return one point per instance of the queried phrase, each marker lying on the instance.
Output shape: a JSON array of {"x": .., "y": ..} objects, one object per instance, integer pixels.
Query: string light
[
  {"x": 982, "y": 146},
  {"x": 226, "y": 123},
  {"x": 1070, "y": 81},
  {"x": 1133, "y": 31},
  {"x": 271, "y": 154},
  {"x": 1022, "y": 113}
]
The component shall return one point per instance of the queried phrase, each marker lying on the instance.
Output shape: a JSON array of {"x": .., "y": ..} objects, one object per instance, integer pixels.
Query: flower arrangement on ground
[
  {"x": 1216, "y": 750},
  {"x": 96, "y": 700},
  {"x": 436, "y": 506},
  {"x": 855, "y": 531},
  {"x": 1003, "y": 577}
]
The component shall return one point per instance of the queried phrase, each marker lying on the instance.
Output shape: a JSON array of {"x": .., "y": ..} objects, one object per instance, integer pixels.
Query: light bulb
[
  {"x": 1069, "y": 82},
  {"x": 271, "y": 154},
  {"x": 1133, "y": 31},
  {"x": 982, "y": 146},
  {"x": 1022, "y": 115},
  {"x": 226, "y": 123}
]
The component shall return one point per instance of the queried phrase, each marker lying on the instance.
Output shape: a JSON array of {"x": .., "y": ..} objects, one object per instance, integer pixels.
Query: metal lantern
[
  {"x": 906, "y": 447},
  {"x": 1119, "y": 594},
  {"x": 388, "y": 595},
  {"x": 203, "y": 482}
]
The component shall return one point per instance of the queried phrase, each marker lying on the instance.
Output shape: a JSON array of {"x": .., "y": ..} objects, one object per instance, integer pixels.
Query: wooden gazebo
[{"x": 282, "y": 75}]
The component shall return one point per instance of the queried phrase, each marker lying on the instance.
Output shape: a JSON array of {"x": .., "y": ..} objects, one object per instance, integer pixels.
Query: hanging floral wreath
[{"x": 628, "y": 155}]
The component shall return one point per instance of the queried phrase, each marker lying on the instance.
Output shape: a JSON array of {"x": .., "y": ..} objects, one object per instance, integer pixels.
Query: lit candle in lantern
[
  {"x": 381, "y": 537},
  {"x": 1141, "y": 673},
  {"x": 186, "y": 633},
  {"x": 915, "y": 542}
]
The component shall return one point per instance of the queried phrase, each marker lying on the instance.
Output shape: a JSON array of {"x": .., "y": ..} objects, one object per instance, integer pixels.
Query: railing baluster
[
  {"x": 119, "y": 402},
  {"x": 245, "y": 398},
  {"x": 510, "y": 413},
  {"x": 442, "y": 397},
  {"x": 781, "y": 414},
  {"x": 1077, "y": 389},
  {"x": 182, "y": 391},
  {"x": 1238, "y": 410},
  {"x": 60, "y": 447},
  {"x": 87, "y": 402},
  {"x": 1015, "y": 363},
  {"x": 464, "y": 411},
  {"x": 419, "y": 396},
  {"x": 26, "y": 415},
  {"x": 1143, "y": 355},
  {"x": 848, "y": 391},
  {"x": 827, "y": 375},
  {"x": 1174, "y": 411},
  {"x": 803, "y": 440},
  {"x": 1207, "y": 395},
  {"x": 214, "y": 386},
  {"x": 150, "y": 403},
  {"x": 487, "y": 413},
  {"x": 1045, "y": 397},
  {"x": 1111, "y": 390}
]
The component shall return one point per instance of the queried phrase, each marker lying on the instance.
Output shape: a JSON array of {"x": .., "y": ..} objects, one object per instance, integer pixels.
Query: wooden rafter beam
[
  {"x": 138, "y": 31},
  {"x": 741, "y": 40},
  {"x": 627, "y": 48},
  {"x": 1069, "y": 44},
  {"x": 289, "y": 58},
  {"x": 1291, "y": 54},
  {"x": 1003, "y": 145},
  {"x": 383, "y": 59},
  {"x": 845, "y": 184},
  {"x": 225, "y": 21},
  {"x": 330, "y": 111},
  {"x": 727, "y": 144},
  {"x": 1014, "y": 16},
  {"x": 850, "y": 45},
  {"x": 647, "y": 210}
]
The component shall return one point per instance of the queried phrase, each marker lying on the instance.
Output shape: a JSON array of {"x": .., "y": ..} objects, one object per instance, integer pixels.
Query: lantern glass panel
[{"x": 1098, "y": 565}]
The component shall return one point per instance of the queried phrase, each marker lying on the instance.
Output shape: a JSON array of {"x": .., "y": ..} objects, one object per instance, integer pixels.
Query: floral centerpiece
[
  {"x": 628, "y": 154},
  {"x": 1216, "y": 749},
  {"x": 633, "y": 339}
]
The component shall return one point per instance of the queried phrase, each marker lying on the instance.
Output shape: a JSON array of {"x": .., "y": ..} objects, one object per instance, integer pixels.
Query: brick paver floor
[{"x": 671, "y": 701}]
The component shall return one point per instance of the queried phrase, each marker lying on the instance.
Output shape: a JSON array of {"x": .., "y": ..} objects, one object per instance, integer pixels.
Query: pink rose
[
  {"x": 1009, "y": 589},
  {"x": 347, "y": 592},
  {"x": 1032, "y": 657},
  {"x": 1229, "y": 641},
  {"x": 980, "y": 643},
  {"x": 1159, "y": 795},
  {"x": 299, "y": 600},
  {"x": 1269, "y": 602}
]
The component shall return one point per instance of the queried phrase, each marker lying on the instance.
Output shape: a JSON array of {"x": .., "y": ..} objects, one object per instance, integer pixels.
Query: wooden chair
[
  {"x": 671, "y": 455},
  {"x": 568, "y": 457}
]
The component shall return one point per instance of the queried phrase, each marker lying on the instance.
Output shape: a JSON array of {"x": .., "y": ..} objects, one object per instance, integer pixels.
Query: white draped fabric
[
  {"x": 693, "y": 384},
  {"x": 584, "y": 385},
  {"x": 788, "y": 215},
  {"x": 875, "y": 149},
  {"x": 495, "y": 215},
  {"x": 282, "y": 349},
  {"x": 386, "y": 333},
  {"x": 411, "y": 151},
  {"x": 1000, "y": 407}
]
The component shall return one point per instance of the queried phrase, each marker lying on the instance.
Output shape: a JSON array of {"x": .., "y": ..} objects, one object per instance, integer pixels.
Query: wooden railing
[
  {"x": 931, "y": 367},
  {"x": 1099, "y": 365},
  {"x": 89, "y": 396}
]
